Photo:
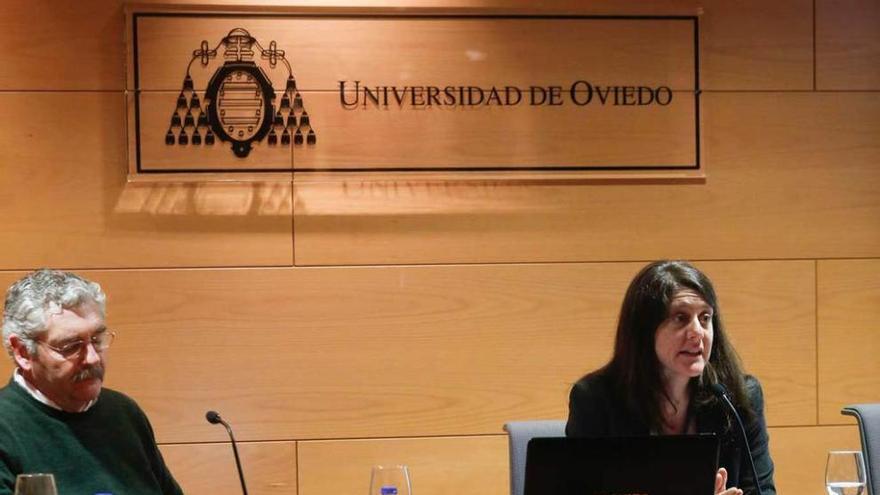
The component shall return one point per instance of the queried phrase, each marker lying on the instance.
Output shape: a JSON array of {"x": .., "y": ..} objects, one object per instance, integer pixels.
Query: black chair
[
  {"x": 518, "y": 435},
  {"x": 868, "y": 416}
]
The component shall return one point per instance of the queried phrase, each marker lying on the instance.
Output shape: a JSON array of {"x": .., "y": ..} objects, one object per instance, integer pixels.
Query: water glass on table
[
  {"x": 390, "y": 480},
  {"x": 35, "y": 484},
  {"x": 845, "y": 473}
]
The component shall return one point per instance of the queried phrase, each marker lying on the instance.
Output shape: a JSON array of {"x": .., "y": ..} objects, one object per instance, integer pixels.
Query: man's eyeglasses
[{"x": 100, "y": 341}]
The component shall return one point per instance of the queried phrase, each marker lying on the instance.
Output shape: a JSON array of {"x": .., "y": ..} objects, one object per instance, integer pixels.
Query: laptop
[{"x": 650, "y": 465}]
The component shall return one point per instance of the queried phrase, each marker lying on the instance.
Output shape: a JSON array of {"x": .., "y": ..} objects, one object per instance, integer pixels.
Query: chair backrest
[
  {"x": 518, "y": 435},
  {"x": 868, "y": 416}
]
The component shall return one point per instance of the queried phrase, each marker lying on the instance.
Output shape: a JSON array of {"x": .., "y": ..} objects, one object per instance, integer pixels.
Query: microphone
[
  {"x": 720, "y": 391},
  {"x": 213, "y": 417}
]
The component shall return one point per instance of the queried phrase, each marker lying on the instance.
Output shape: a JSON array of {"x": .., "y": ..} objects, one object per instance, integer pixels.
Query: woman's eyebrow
[{"x": 687, "y": 304}]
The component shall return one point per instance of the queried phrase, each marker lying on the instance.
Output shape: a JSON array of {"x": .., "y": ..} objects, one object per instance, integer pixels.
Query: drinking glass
[
  {"x": 390, "y": 480},
  {"x": 35, "y": 484},
  {"x": 845, "y": 473}
]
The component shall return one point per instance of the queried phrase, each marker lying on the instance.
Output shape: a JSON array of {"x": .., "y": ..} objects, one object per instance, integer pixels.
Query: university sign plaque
[{"x": 252, "y": 93}]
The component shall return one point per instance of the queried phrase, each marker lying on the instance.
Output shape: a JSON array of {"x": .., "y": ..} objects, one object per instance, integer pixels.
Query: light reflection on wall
[
  {"x": 329, "y": 194},
  {"x": 209, "y": 199}
]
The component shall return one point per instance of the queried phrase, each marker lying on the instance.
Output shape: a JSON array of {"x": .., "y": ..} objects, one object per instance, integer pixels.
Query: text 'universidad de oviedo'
[{"x": 353, "y": 94}]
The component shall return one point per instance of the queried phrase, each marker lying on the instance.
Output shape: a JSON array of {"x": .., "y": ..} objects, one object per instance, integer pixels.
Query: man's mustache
[{"x": 96, "y": 371}]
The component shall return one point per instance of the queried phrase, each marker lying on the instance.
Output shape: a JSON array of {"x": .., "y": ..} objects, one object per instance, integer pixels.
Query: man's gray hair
[{"x": 31, "y": 300}]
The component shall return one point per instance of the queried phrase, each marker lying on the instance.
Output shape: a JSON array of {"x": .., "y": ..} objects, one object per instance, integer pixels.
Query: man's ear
[{"x": 20, "y": 353}]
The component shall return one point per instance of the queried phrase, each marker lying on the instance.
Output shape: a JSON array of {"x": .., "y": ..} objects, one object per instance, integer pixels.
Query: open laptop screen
[{"x": 651, "y": 465}]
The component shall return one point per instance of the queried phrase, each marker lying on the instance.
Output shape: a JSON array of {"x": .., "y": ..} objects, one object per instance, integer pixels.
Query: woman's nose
[{"x": 694, "y": 329}]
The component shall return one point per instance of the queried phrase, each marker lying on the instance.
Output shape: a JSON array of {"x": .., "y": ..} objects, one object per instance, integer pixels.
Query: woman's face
[{"x": 683, "y": 341}]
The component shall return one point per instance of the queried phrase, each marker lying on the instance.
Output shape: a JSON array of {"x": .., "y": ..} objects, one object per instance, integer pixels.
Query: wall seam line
[
  {"x": 816, "y": 327},
  {"x": 815, "y": 63}
]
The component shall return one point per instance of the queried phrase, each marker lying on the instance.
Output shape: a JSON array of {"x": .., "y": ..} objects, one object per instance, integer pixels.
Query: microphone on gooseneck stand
[
  {"x": 720, "y": 391},
  {"x": 214, "y": 418}
]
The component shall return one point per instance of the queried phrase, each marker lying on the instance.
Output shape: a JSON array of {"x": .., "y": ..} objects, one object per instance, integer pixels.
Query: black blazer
[{"x": 595, "y": 410}]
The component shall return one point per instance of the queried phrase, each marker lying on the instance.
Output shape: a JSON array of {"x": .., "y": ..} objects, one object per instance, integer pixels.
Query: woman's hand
[{"x": 721, "y": 483}]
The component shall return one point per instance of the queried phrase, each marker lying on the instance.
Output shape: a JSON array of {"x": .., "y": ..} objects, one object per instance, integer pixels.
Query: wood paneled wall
[{"x": 344, "y": 323}]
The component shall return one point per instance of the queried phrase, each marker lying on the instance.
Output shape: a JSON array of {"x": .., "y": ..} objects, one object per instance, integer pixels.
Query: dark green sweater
[{"x": 108, "y": 449}]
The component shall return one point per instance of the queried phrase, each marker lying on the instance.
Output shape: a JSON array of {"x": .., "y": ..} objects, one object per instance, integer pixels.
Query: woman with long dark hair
[{"x": 671, "y": 348}]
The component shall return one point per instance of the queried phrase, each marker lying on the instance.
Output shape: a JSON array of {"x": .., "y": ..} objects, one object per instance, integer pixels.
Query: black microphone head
[
  {"x": 213, "y": 417},
  {"x": 719, "y": 390}
]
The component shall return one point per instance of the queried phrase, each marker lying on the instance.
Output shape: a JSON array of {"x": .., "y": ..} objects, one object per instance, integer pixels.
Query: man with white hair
[{"x": 55, "y": 416}]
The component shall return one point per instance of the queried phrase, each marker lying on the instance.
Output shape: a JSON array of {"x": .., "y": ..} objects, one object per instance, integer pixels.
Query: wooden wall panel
[
  {"x": 64, "y": 200},
  {"x": 594, "y": 7},
  {"x": 358, "y": 352},
  {"x": 460, "y": 465},
  {"x": 847, "y": 45},
  {"x": 789, "y": 176},
  {"x": 755, "y": 45},
  {"x": 6, "y": 365},
  {"x": 849, "y": 335},
  {"x": 209, "y": 469},
  {"x": 798, "y": 168},
  {"x": 61, "y": 46},
  {"x": 411, "y": 351},
  {"x": 800, "y": 455}
]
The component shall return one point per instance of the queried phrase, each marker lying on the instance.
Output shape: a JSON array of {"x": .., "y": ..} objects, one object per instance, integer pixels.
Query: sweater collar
[{"x": 19, "y": 379}]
